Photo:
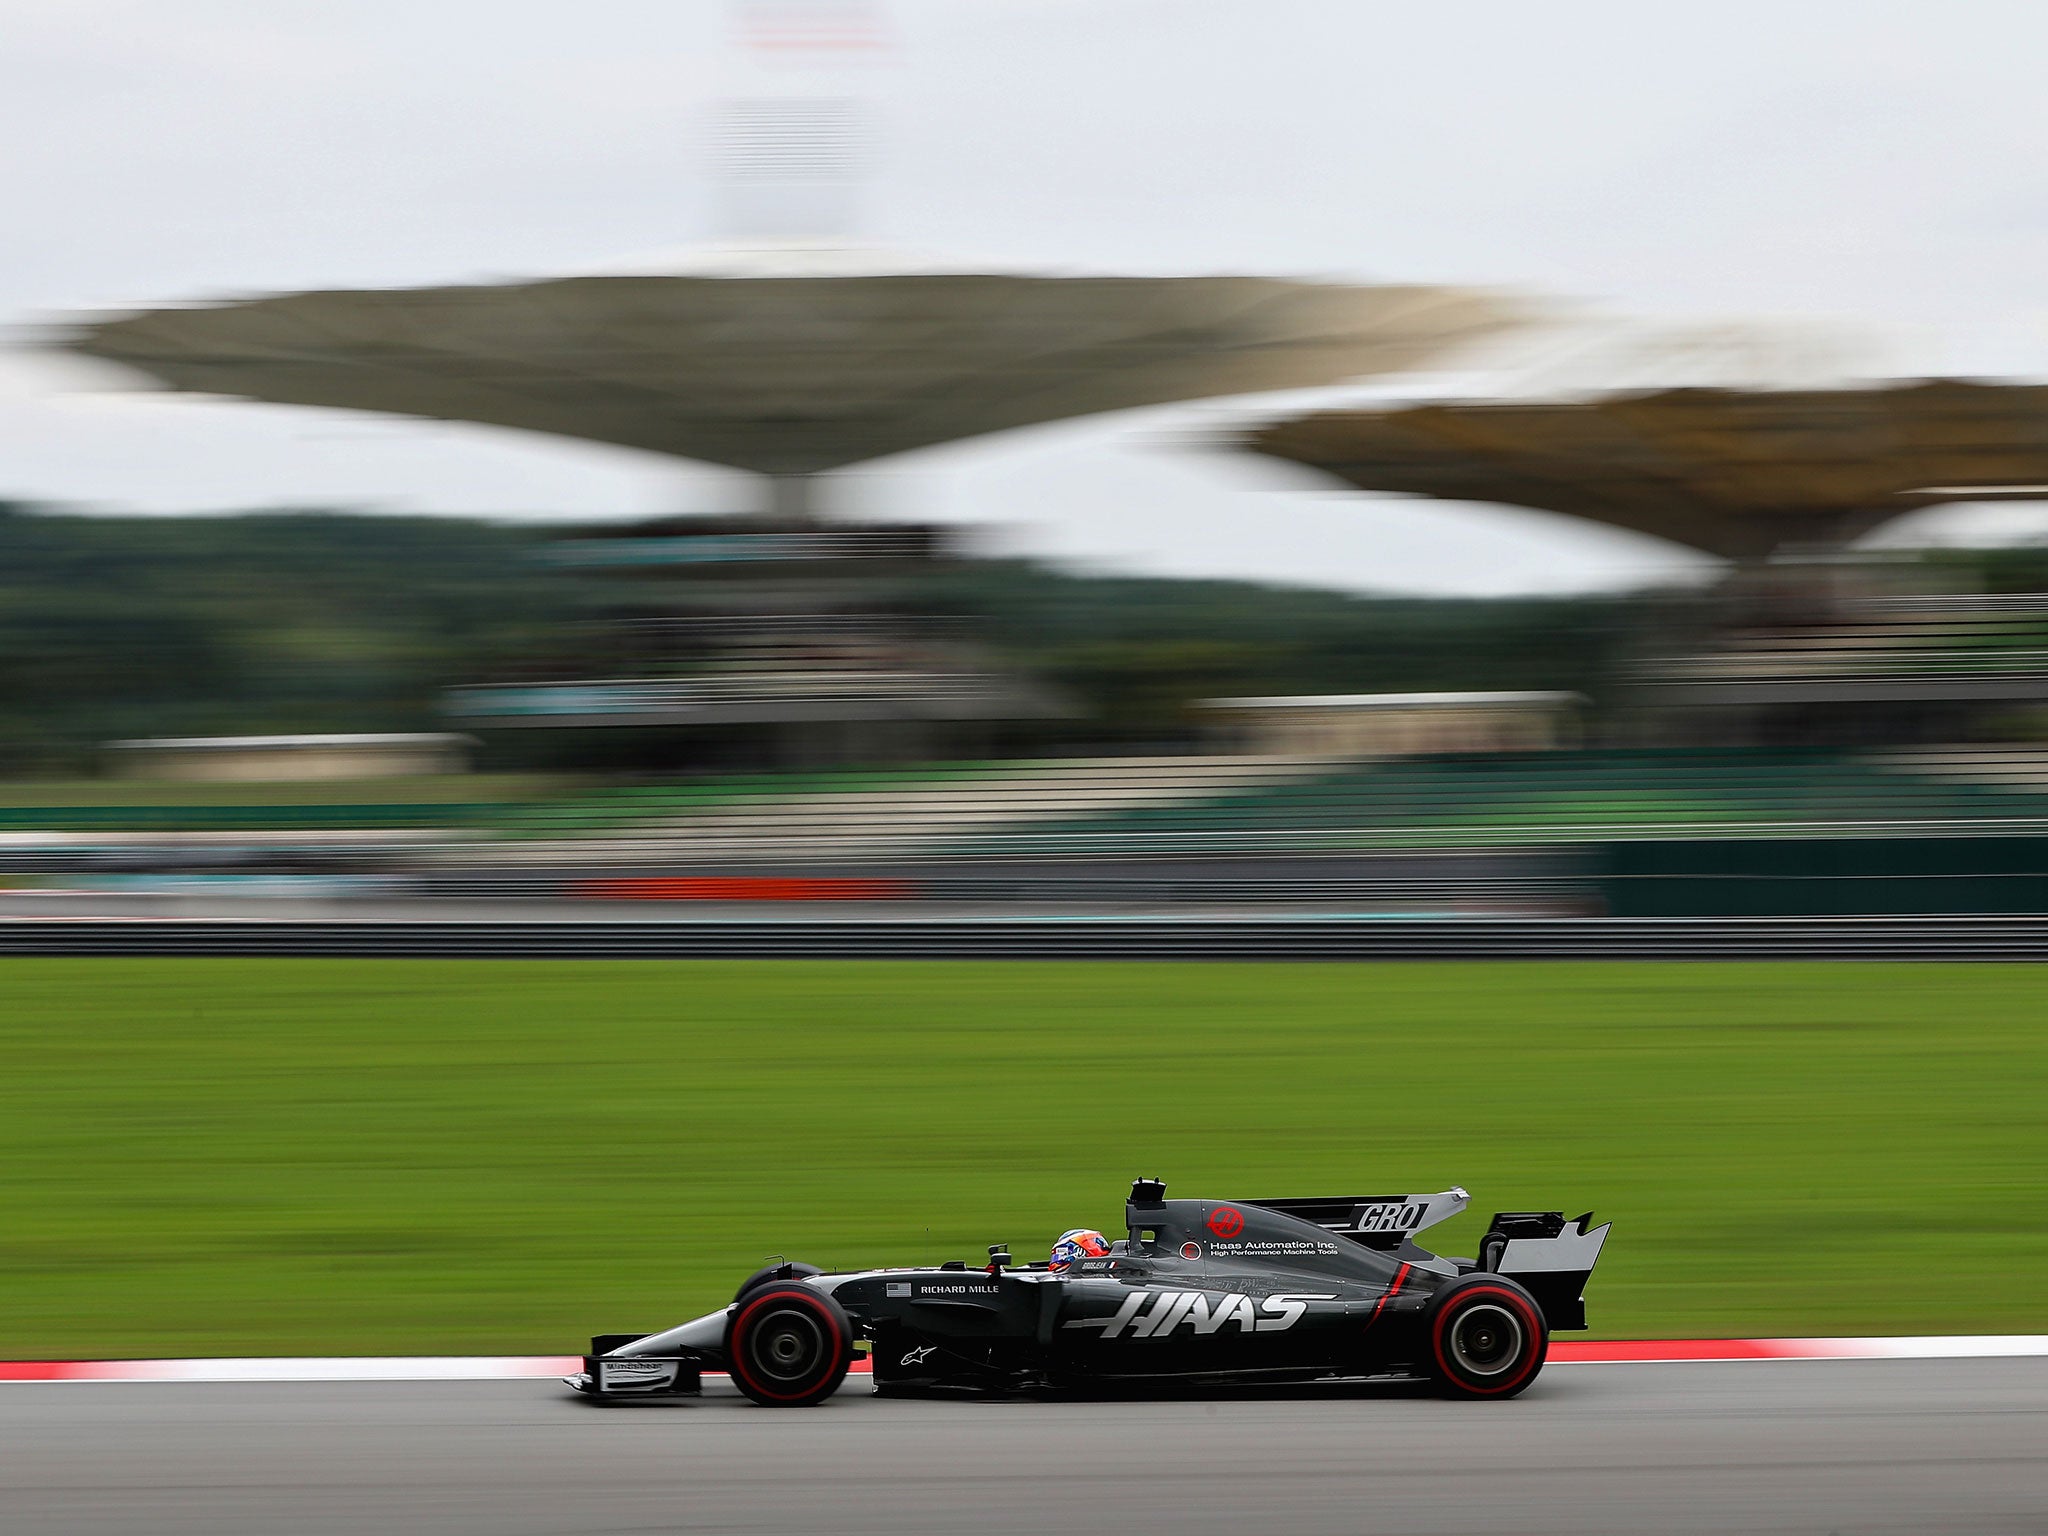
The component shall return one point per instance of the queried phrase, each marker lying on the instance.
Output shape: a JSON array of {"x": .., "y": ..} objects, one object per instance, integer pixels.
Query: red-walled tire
[
  {"x": 768, "y": 1272},
  {"x": 1486, "y": 1337},
  {"x": 788, "y": 1346}
]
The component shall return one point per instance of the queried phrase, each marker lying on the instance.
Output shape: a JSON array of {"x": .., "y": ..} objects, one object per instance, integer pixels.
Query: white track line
[{"x": 528, "y": 1367}]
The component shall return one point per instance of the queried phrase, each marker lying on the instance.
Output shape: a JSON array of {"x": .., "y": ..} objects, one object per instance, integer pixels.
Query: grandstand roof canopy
[
  {"x": 1736, "y": 473},
  {"x": 789, "y": 368}
]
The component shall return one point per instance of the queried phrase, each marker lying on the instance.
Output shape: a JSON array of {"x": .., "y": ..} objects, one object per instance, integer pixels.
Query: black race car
[{"x": 1201, "y": 1292}]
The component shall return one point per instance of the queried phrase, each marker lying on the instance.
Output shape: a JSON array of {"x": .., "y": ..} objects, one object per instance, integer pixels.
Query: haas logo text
[{"x": 1211, "y": 1313}]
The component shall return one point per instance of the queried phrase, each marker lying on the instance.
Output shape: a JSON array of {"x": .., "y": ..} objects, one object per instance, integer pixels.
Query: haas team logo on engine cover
[
  {"x": 1202, "y": 1313},
  {"x": 1226, "y": 1221}
]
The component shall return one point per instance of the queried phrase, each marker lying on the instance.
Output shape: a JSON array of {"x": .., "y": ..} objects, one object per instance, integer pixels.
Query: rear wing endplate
[{"x": 1549, "y": 1257}]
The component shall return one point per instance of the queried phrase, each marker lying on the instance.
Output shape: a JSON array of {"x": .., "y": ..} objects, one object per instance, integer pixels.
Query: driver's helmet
[{"x": 1080, "y": 1243}]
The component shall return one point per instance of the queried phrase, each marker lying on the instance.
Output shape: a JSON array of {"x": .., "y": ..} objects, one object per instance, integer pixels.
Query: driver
[{"x": 1079, "y": 1243}]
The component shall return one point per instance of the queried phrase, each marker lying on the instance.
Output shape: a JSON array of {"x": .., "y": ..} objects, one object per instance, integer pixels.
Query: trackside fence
[{"x": 1934, "y": 938}]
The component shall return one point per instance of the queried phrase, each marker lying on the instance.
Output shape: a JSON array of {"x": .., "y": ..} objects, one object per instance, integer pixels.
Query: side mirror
[{"x": 999, "y": 1257}]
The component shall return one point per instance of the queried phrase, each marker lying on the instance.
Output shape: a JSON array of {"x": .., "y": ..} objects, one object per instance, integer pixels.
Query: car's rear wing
[
  {"x": 1377, "y": 1221},
  {"x": 1549, "y": 1257}
]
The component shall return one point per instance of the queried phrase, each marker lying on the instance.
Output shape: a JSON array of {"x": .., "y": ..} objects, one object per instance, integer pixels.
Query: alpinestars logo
[
  {"x": 917, "y": 1355},
  {"x": 1205, "y": 1314}
]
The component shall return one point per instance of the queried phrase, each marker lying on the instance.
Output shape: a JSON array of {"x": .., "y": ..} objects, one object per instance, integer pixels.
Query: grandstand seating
[
  {"x": 230, "y": 819},
  {"x": 1138, "y": 807},
  {"x": 1189, "y": 805},
  {"x": 2024, "y": 768},
  {"x": 647, "y": 805},
  {"x": 907, "y": 814},
  {"x": 1945, "y": 635},
  {"x": 1549, "y": 796}
]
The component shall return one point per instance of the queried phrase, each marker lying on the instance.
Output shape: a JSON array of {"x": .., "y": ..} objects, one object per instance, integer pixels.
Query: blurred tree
[
  {"x": 278, "y": 621},
  {"x": 316, "y": 620}
]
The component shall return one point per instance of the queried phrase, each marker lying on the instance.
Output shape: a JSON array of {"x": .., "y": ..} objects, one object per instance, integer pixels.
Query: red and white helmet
[{"x": 1079, "y": 1243}]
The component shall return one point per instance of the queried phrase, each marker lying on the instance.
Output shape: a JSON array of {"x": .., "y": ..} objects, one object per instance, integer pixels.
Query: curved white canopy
[
  {"x": 789, "y": 367},
  {"x": 1737, "y": 473}
]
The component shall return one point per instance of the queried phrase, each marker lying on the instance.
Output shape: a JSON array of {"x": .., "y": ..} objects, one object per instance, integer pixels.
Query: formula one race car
[{"x": 1202, "y": 1292}]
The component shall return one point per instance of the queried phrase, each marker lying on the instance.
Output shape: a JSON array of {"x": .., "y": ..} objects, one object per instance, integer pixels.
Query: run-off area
[{"x": 1847, "y": 1447}]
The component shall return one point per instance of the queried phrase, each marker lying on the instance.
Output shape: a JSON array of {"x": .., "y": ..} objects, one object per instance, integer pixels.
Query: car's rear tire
[
  {"x": 1486, "y": 1337},
  {"x": 788, "y": 1346},
  {"x": 769, "y": 1272}
]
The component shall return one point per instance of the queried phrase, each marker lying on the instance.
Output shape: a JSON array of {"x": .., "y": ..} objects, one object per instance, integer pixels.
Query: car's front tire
[
  {"x": 783, "y": 1270},
  {"x": 1486, "y": 1337},
  {"x": 788, "y": 1345}
]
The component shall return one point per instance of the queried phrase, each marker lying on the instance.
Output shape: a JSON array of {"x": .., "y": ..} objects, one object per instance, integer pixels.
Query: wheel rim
[
  {"x": 1486, "y": 1340},
  {"x": 787, "y": 1345}
]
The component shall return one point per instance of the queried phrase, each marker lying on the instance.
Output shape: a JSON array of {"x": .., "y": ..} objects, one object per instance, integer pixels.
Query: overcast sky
[{"x": 1875, "y": 172}]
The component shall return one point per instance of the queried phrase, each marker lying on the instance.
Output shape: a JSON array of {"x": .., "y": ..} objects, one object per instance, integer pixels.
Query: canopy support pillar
[{"x": 793, "y": 498}]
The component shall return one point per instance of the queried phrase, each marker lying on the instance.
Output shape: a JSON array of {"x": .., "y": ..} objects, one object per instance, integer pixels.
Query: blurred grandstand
[
  {"x": 1916, "y": 783},
  {"x": 1821, "y": 730},
  {"x": 1549, "y": 832}
]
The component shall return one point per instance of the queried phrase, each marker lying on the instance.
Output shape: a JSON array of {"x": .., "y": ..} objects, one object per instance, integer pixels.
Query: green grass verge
[{"x": 223, "y": 1156}]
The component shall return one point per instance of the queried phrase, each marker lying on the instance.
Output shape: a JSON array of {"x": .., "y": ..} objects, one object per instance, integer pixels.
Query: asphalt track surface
[{"x": 1853, "y": 1448}]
